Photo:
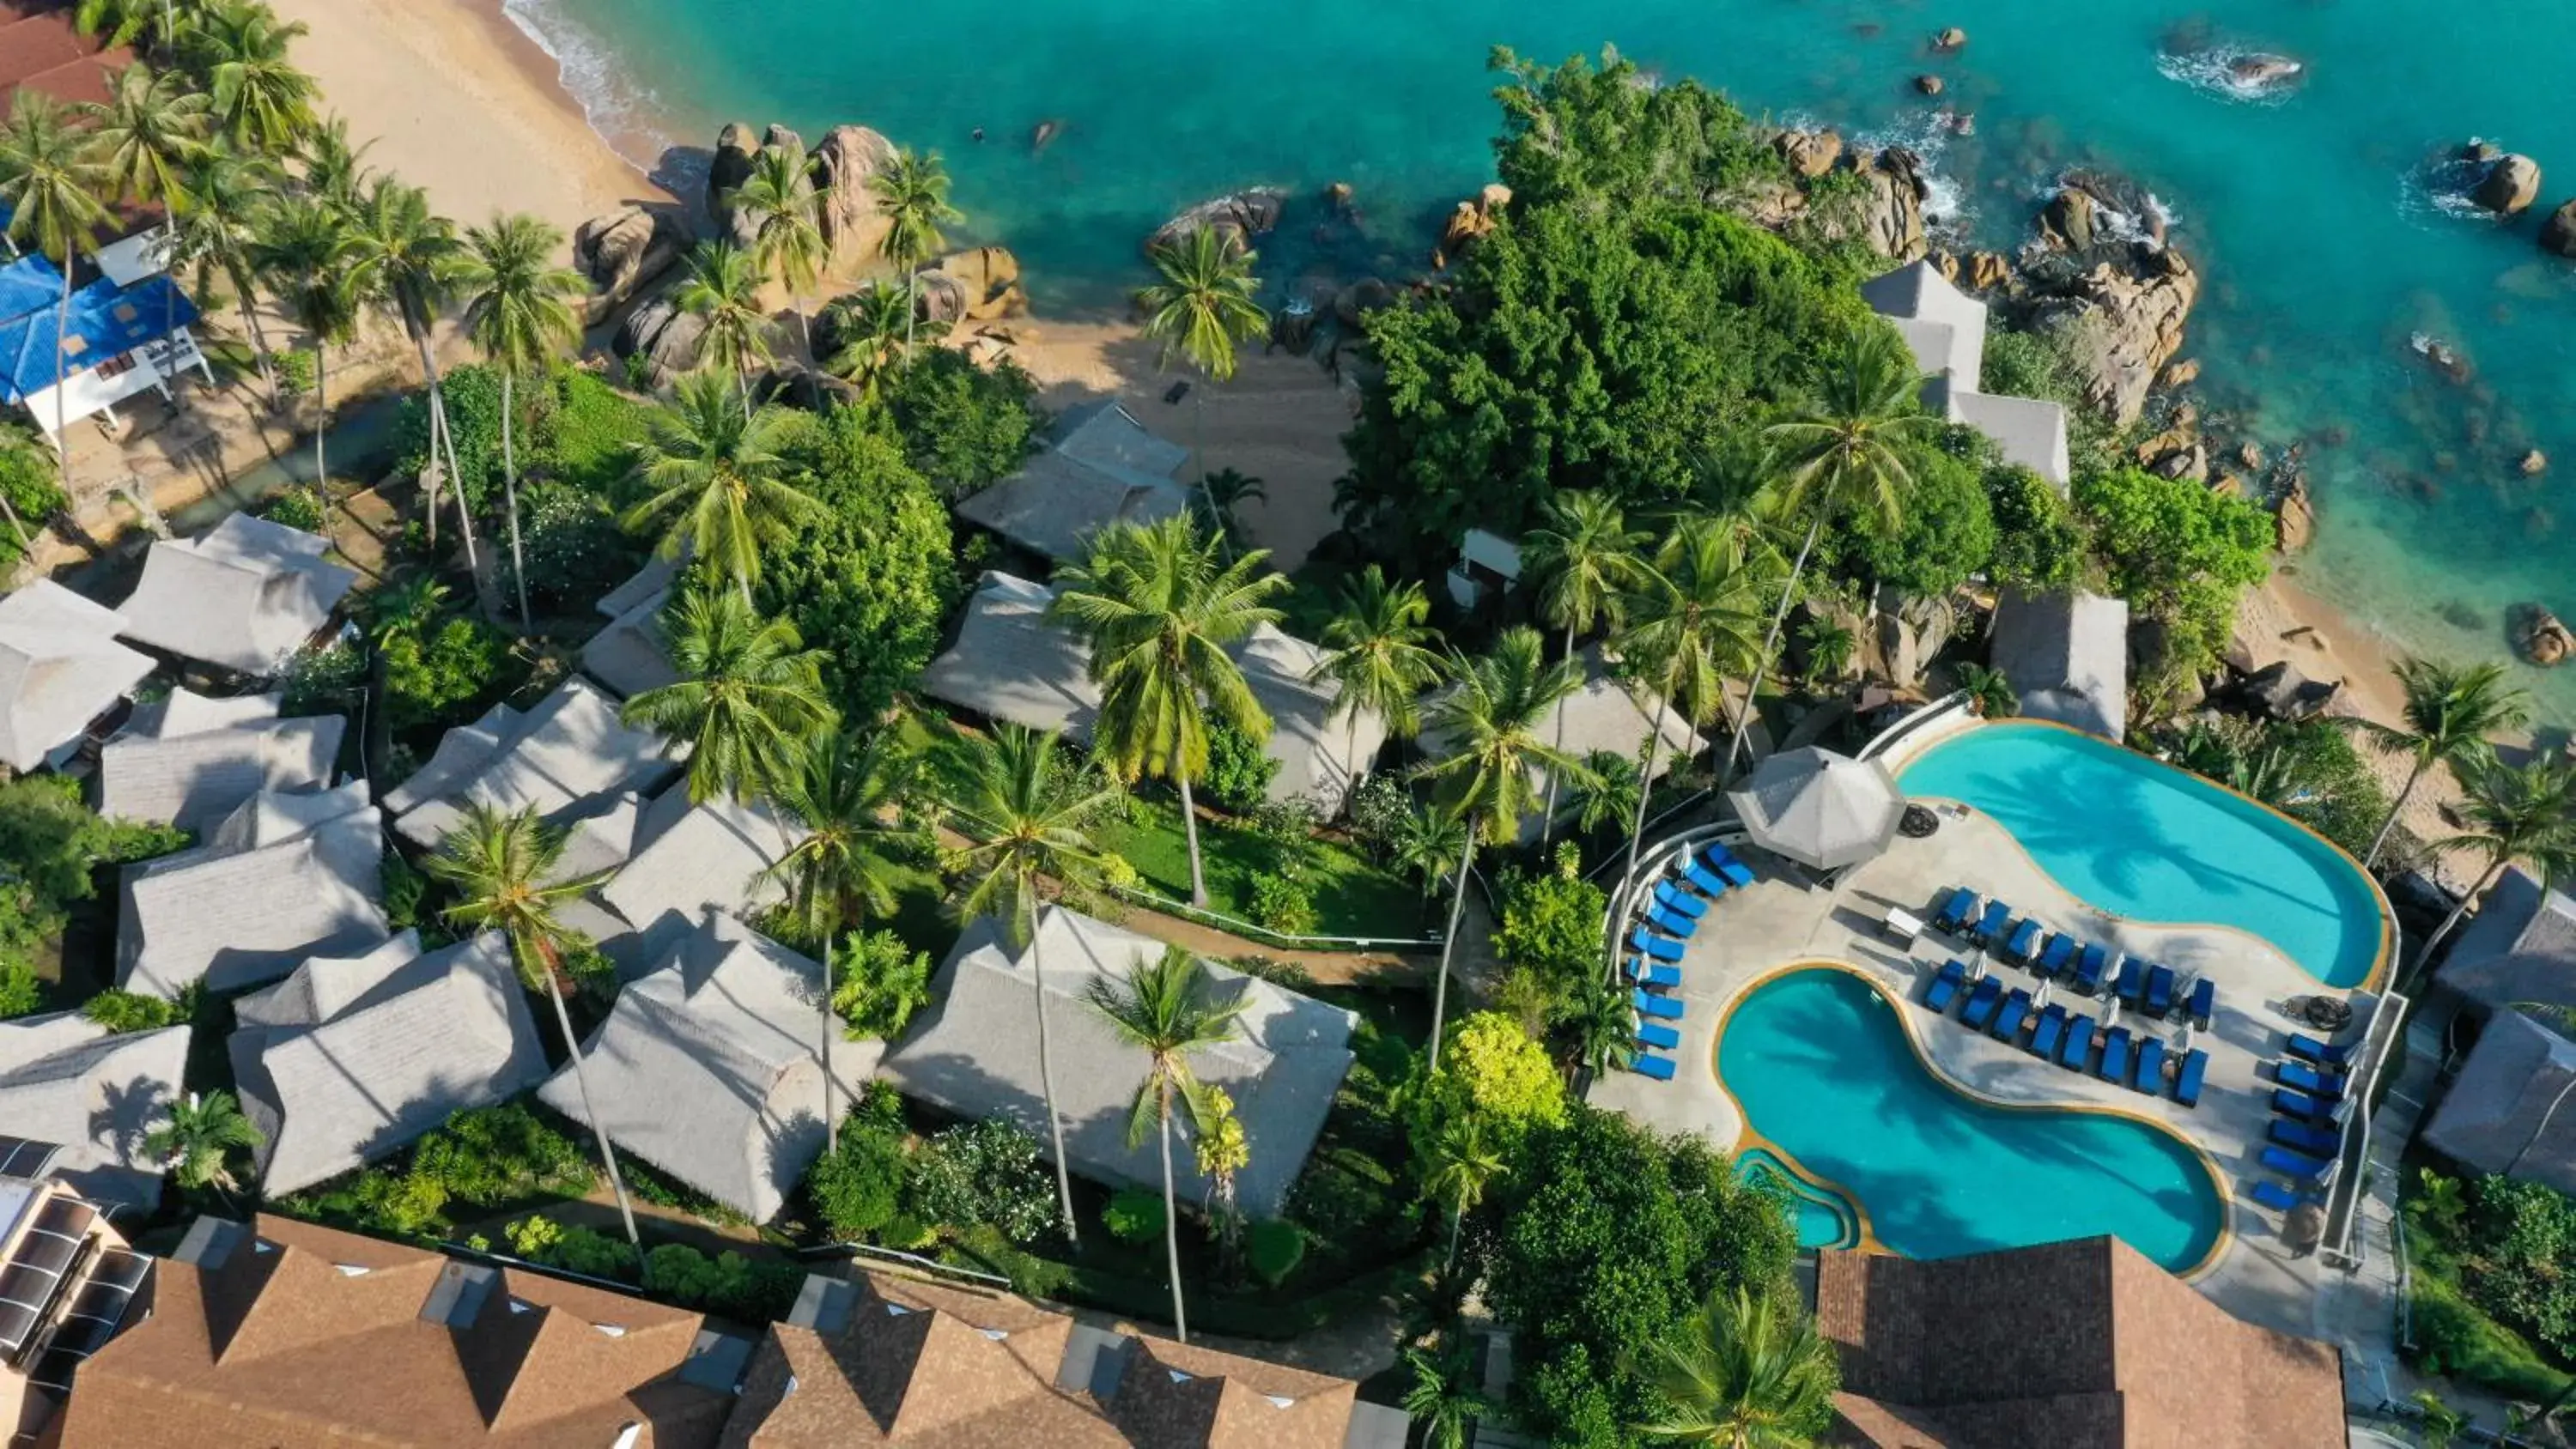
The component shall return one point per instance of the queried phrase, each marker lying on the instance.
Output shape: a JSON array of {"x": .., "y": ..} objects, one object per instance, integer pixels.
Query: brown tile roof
[
  {"x": 42, "y": 50},
  {"x": 304, "y": 1336},
  {"x": 2075, "y": 1345},
  {"x": 1176, "y": 1397}
]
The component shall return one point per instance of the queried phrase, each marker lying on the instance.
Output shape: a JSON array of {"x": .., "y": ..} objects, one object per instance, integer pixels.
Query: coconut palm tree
[
  {"x": 1584, "y": 560},
  {"x": 749, "y": 695},
  {"x": 1224, "y": 490},
  {"x": 404, "y": 260},
  {"x": 1746, "y": 1371},
  {"x": 518, "y": 310},
  {"x": 1221, "y": 1152},
  {"x": 149, "y": 134},
  {"x": 1166, "y": 1010},
  {"x": 1989, "y": 692},
  {"x": 786, "y": 211},
  {"x": 115, "y": 24},
  {"x": 1459, "y": 1163},
  {"x": 505, "y": 869},
  {"x": 1158, "y": 609},
  {"x": 912, "y": 194},
  {"x": 335, "y": 167},
  {"x": 228, "y": 190},
  {"x": 1599, "y": 1026},
  {"x": 843, "y": 792},
  {"x": 1845, "y": 448},
  {"x": 723, "y": 286},
  {"x": 2450, "y": 712},
  {"x": 260, "y": 97},
  {"x": 1492, "y": 723},
  {"x": 1692, "y": 615},
  {"x": 299, "y": 247},
  {"x": 51, "y": 181},
  {"x": 1443, "y": 1397},
  {"x": 1201, "y": 306},
  {"x": 714, "y": 480},
  {"x": 2515, "y": 815},
  {"x": 1028, "y": 807},
  {"x": 197, "y": 1140},
  {"x": 870, "y": 324},
  {"x": 1382, "y": 658}
]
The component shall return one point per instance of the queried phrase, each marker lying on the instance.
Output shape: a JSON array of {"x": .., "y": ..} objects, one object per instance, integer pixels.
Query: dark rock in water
[
  {"x": 1951, "y": 38},
  {"x": 2541, "y": 637},
  {"x": 1928, "y": 84},
  {"x": 2263, "y": 70},
  {"x": 2067, "y": 223},
  {"x": 2558, "y": 234},
  {"x": 2462, "y": 616},
  {"x": 1245, "y": 214},
  {"x": 2481, "y": 152},
  {"x": 1355, "y": 302},
  {"x": 2511, "y": 184}
]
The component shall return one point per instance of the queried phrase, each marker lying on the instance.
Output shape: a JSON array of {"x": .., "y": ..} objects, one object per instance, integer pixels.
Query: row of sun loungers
[
  {"x": 1667, "y": 920},
  {"x": 2135, "y": 1061},
  {"x": 2143, "y": 985},
  {"x": 2306, "y": 1138}
]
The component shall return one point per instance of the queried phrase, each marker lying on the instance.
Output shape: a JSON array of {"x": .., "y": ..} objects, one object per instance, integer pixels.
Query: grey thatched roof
[
  {"x": 2067, "y": 656},
  {"x": 1945, "y": 327},
  {"x": 353, "y": 1069},
  {"x": 244, "y": 597},
  {"x": 1011, "y": 663},
  {"x": 568, "y": 757},
  {"x": 65, "y": 1080},
  {"x": 60, "y": 668},
  {"x": 692, "y": 859},
  {"x": 325, "y": 985},
  {"x": 2503, "y": 1113},
  {"x": 1605, "y": 716},
  {"x": 707, "y": 1067},
  {"x": 197, "y": 760},
  {"x": 185, "y": 712},
  {"x": 653, "y": 578},
  {"x": 462, "y": 753},
  {"x": 1102, "y": 468},
  {"x": 628, "y": 656},
  {"x": 274, "y": 884},
  {"x": 974, "y": 1052},
  {"x": 2028, "y": 431},
  {"x": 2521, "y": 946}
]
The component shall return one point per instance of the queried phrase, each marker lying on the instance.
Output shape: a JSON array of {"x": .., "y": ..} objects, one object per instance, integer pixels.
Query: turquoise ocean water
[
  {"x": 2308, "y": 211},
  {"x": 2151, "y": 843}
]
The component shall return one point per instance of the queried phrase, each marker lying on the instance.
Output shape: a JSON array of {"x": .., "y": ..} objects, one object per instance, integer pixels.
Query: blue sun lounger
[
  {"x": 2061, "y": 949},
  {"x": 2186, "y": 1088},
  {"x": 2131, "y": 983},
  {"x": 2308, "y": 1079},
  {"x": 1662, "y": 1008},
  {"x": 2301, "y": 1106},
  {"x": 1730, "y": 870},
  {"x": 1676, "y": 926},
  {"x": 1991, "y": 924},
  {"x": 2076, "y": 1052},
  {"x": 1647, "y": 1064},
  {"x": 1954, "y": 909},
  {"x": 1678, "y": 901},
  {"x": 1702, "y": 880},
  {"x": 1653, "y": 973},
  {"x": 2052, "y": 1026},
  {"x": 2010, "y": 1016},
  {"x": 2089, "y": 966},
  {"x": 2308, "y": 1048},
  {"x": 1656, "y": 1034},
  {"x": 2024, "y": 943},
  {"x": 2115, "y": 1055},
  {"x": 1981, "y": 1002},
  {"x": 2296, "y": 1166},
  {"x": 2160, "y": 985},
  {"x": 1653, "y": 945},
  {"x": 2276, "y": 1197},
  {"x": 2300, "y": 1137},
  {"x": 2203, "y": 1003},
  {"x": 1944, "y": 988},
  {"x": 2149, "y": 1072}
]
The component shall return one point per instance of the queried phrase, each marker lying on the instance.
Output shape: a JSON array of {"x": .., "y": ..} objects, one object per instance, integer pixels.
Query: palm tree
[
  {"x": 149, "y": 134},
  {"x": 1167, "y": 1010},
  {"x": 912, "y": 194},
  {"x": 842, "y": 792},
  {"x": 786, "y": 208},
  {"x": 197, "y": 1141},
  {"x": 749, "y": 694},
  {"x": 1427, "y": 845},
  {"x": 335, "y": 168},
  {"x": 518, "y": 310},
  {"x": 2450, "y": 711},
  {"x": 1843, "y": 449},
  {"x": 1202, "y": 306},
  {"x": 228, "y": 189},
  {"x": 1599, "y": 1026},
  {"x": 1744, "y": 1372},
  {"x": 723, "y": 286},
  {"x": 2524, "y": 814},
  {"x": 260, "y": 97},
  {"x": 870, "y": 324},
  {"x": 1381, "y": 660},
  {"x": 1585, "y": 560},
  {"x": 409, "y": 606},
  {"x": 1029, "y": 810},
  {"x": 1443, "y": 1398},
  {"x": 1459, "y": 1163},
  {"x": 1226, "y": 489},
  {"x": 1830, "y": 647},
  {"x": 115, "y": 24},
  {"x": 715, "y": 480},
  {"x": 1158, "y": 608},
  {"x": 51, "y": 181},
  {"x": 1222, "y": 1151},
  {"x": 1989, "y": 691},
  {"x": 299, "y": 247},
  {"x": 404, "y": 260},
  {"x": 1491, "y": 723},
  {"x": 505, "y": 868},
  {"x": 1692, "y": 616}
]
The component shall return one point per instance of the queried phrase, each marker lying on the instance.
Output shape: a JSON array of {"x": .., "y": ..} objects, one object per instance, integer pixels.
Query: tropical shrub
[
  {"x": 493, "y": 1156},
  {"x": 2037, "y": 543},
  {"x": 129, "y": 1011},
  {"x": 962, "y": 426},
  {"x": 27, "y": 480},
  {"x": 1380, "y": 809},
  {"x": 2180, "y": 552},
  {"x": 1283, "y": 903},
  {"x": 446, "y": 677},
  {"x": 985, "y": 1172},
  {"x": 2518, "y": 1238},
  {"x": 574, "y": 548},
  {"x": 880, "y": 981},
  {"x": 406, "y": 1203},
  {"x": 52, "y": 845},
  {"x": 299, "y": 507},
  {"x": 21, "y": 991},
  {"x": 1239, "y": 771},
  {"x": 1552, "y": 920},
  {"x": 728, "y": 1285},
  {"x": 1273, "y": 1248},
  {"x": 324, "y": 679},
  {"x": 473, "y": 396},
  {"x": 1493, "y": 1070},
  {"x": 858, "y": 1187},
  {"x": 1134, "y": 1215}
]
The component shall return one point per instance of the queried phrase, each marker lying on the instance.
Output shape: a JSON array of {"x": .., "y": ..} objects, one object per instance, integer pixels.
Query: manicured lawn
[{"x": 1352, "y": 896}]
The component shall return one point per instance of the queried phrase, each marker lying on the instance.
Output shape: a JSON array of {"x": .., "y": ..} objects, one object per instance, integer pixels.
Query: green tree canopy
[
  {"x": 2178, "y": 551},
  {"x": 1580, "y": 132}
]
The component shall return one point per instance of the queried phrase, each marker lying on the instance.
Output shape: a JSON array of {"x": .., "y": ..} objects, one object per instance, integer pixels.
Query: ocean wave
[
  {"x": 617, "y": 105},
  {"x": 2215, "y": 71}
]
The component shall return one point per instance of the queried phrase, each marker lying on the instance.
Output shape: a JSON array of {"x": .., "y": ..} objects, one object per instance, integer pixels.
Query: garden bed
[{"x": 1352, "y": 896}]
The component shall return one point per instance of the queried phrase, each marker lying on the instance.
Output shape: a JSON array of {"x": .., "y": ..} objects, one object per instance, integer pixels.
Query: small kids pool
[
  {"x": 1830, "y": 1083},
  {"x": 2144, "y": 840},
  {"x": 1823, "y": 1219}
]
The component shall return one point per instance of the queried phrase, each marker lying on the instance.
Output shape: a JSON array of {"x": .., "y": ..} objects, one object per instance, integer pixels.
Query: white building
[
  {"x": 1946, "y": 329},
  {"x": 127, "y": 331}
]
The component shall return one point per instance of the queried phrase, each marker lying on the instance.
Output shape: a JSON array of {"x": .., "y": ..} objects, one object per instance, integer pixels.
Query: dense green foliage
[
  {"x": 984, "y": 1172},
  {"x": 1948, "y": 531},
  {"x": 2038, "y": 545},
  {"x": 1578, "y": 132},
  {"x": 2492, "y": 1301},
  {"x": 879, "y": 980},
  {"x": 484, "y": 1159},
  {"x": 1550, "y": 938},
  {"x": 129, "y": 1011},
  {"x": 21, "y": 991},
  {"x": 858, "y": 1186},
  {"x": 447, "y": 674},
  {"x": 473, "y": 396},
  {"x": 574, "y": 548},
  {"x": 27, "y": 482},
  {"x": 1239, "y": 770},
  {"x": 299, "y": 507},
  {"x": 53, "y": 844},
  {"x": 2180, "y": 552},
  {"x": 1133, "y": 1215},
  {"x": 1491, "y": 1070},
  {"x": 962, "y": 426},
  {"x": 586, "y": 432}
]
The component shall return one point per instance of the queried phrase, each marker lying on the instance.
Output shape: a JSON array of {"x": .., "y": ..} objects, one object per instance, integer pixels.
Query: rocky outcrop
[
  {"x": 1246, "y": 214},
  {"x": 2121, "y": 322},
  {"x": 843, "y": 162},
  {"x": 622, "y": 251},
  {"x": 2066, "y": 223},
  {"x": 1353, "y": 304},
  {"x": 1928, "y": 83},
  {"x": 2510, "y": 186},
  {"x": 1884, "y": 213},
  {"x": 1988, "y": 270},
  {"x": 2281, "y": 692},
  {"x": 1809, "y": 154},
  {"x": 2533, "y": 463},
  {"x": 727, "y": 170},
  {"x": 1473, "y": 220},
  {"x": 2183, "y": 373},
  {"x": 2261, "y": 71},
  {"x": 780, "y": 138},
  {"x": 1891, "y": 213},
  {"x": 2541, "y": 638},
  {"x": 976, "y": 285},
  {"x": 2558, "y": 234},
  {"x": 1950, "y": 38},
  {"x": 2295, "y": 521},
  {"x": 1905, "y": 633},
  {"x": 667, "y": 338}
]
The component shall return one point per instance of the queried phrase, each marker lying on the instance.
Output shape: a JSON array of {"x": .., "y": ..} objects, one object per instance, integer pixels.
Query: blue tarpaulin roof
[
  {"x": 106, "y": 320},
  {"x": 27, "y": 284}
]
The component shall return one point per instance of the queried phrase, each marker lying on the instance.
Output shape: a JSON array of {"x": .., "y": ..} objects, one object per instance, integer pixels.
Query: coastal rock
[
  {"x": 1474, "y": 219},
  {"x": 2558, "y": 234},
  {"x": 1906, "y": 632},
  {"x": 1353, "y": 304},
  {"x": 1246, "y": 214},
  {"x": 2541, "y": 638},
  {"x": 728, "y": 169},
  {"x": 1809, "y": 153},
  {"x": 1339, "y": 198},
  {"x": 2281, "y": 692},
  {"x": 2534, "y": 463},
  {"x": 1891, "y": 213},
  {"x": 2067, "y": 223},
  {"x": 1951, "y": 38},
  {"x": 1928, "y": 84},
  {"x": 622, "y": 251},
  {"x": 844, "y": 161},
  {"x": 1988, "y": 270},
  {"x": 666, "y": 337},
  {"x": 2481, "y": 152},
  {"x": 986, "y": 286},
  {"x": 2262, "y": 71},
  {"x": 2249, "y": 455},
  {"x": 2120, "y": 323},
  {"x": 2183, "y": 373},
  {"x": 2295, "y": 521},
  {"x": 2191, "y": 463},
  {"x": 780, "y": 138},
  {"x": 2510, "y": 186}
]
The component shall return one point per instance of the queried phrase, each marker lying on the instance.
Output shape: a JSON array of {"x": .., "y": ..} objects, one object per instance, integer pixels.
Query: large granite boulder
[
  {"x": 2121, "y": 322},
  {"x": 844, "y": 160},
  {"x": 728, "y": 169},
  {"x": 2281, "y": 692},
  {"x": 2295, "y": 519},
  {"x": 2510, "y": 186},
  {"x": 976, "y": 285},
  {"x": 1246, "y": 214},
  {"x": 666, "y": 337},
  {"x": 780, "y": 138},
  {"x": 2541, "y": 637},
  {"x": 622, "y": 251},
  {"x": 1891, "y": 212},
  {"x": 2558, "y": 234},
  {"x": 2067, "y": 223},
  {"x": 1809, "y": 153}
]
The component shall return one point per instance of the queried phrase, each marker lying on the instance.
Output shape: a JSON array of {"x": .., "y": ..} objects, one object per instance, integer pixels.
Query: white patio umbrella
[
  {"x": 1819, "y": 808},
  {"x": 2111, "y": 1014}
]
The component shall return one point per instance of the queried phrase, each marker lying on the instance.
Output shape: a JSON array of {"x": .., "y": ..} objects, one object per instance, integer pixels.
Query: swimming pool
[
  {"x": 2144, "y": 840},
  {"x": 1830, "y": 1083},
  {"x": 1821, "y": 1216}
]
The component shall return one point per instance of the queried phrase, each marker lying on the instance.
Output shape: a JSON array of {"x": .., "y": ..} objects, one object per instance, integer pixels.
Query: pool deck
[{"x": 1777, "y": 924}]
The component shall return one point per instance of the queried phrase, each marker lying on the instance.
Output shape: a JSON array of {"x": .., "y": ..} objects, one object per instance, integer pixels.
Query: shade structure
[{"x": 1819, "y": 808}]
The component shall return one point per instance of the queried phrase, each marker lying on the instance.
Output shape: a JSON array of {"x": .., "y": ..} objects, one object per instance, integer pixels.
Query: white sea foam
[
  {"x": 617, "y": 105},
  {"x": 2214, "y": 71},
  {"x": 1928, "y": 136}
]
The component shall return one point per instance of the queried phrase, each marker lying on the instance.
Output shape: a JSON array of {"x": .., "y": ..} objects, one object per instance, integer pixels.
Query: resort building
[
  {"x": 2074, "y": 1345},
  {"x": 244, "y": 598},
  {"x": 628, "y": 656},
  {"x": 1488, "y": 566},
  {"x": 190, "y": 761},
  {"x": 69, "y": 1082},
  {"x": 2504, "y": 1112},
  {"x": 707, "y": 1067},
  {"x": 1102, "y": 467},
  {"x": 880, "y": 1359},
  {"x": 567, "y": 758},
  {"x": 124, "y": 335},
  {"x": 280, "y": 1332},
  {"x": 1945, "y": 328},
  {"x": 2067, "y": 658},
  {"x": 2519, "y": 947},
  {"x": 68, "y": 1282},
  {"x": 690, "y": 862},
  {"x": 41, "y": 49},
  {"x": 1606, "y": 716},
  {"x": 1011, "y": 663},
  {"x": 289, "y": 874},
  {"x": 973, "y": 1052},
  {"x": 352, "y": 1057},
  {"x": 61, "y": 671}
]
